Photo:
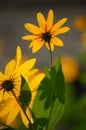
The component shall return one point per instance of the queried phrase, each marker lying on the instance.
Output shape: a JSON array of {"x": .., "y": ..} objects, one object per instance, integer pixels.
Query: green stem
[
  {"x": 50, "y": 55},
  {"x": 50, "y": 111},
  {"x": 20, "y": 106}
]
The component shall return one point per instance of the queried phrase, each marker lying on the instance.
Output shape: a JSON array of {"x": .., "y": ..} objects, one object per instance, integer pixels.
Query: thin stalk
[
  {"x": 20, "y": 105},
  {"x": 50, "y": 111},
  {"x": 50, "y": 55}
]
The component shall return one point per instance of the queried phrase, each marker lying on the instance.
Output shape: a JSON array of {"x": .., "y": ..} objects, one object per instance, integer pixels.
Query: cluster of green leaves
[{"x": 49, "y": 101}]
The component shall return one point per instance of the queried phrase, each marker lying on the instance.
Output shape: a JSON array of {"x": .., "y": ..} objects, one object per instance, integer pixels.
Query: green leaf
[
  {"x": 59, "y": 98},
  {"x": 50, "y": 98},
  {"x": 59, "y": 82},
  {"x": 25, "y": 94}
]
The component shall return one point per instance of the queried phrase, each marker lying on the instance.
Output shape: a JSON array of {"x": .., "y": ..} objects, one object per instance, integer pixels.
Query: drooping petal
[
  {"x": 32, "y": 28},
  {"x": 25, "y": 67},
  {"x": 56, "y": 41},
  {"x": 37, "y": 45},
  {"x": 50, "y": 19},
  {"x": 41, "y": 21},
  {"x": 61, "y": 30},
  {"x": 58, "y": 24},
  {"x": 10, "y": 68},
  {"x": 13, "y": 113},
  {"x": 29, "y": 37}
]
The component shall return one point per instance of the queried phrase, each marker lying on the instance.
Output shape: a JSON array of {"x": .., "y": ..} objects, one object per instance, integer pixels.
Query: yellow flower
[
  {"x": 80, "y": 23},
  {"x": 46, "y": 32},
  {"x": 11, "y": 79},
  {"x": 70, "y": 68},
  {"x": 11, "y": 108}
]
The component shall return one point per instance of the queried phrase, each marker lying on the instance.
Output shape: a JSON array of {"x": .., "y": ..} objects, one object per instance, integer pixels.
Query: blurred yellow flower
[
  {"x": 11, "y": 108},
  {"x": 80, "y": 23},
  {"x": 46, "y": 32},
  {"x": 70, "y": 68},
  {"x": 11, "y": 79}
]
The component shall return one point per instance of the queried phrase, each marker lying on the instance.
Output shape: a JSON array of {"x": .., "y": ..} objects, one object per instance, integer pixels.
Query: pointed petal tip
[
  {"x": 23, "y": 37},
  {"x": 18, "y": 49},
  {"x": 51, "y": 10}
]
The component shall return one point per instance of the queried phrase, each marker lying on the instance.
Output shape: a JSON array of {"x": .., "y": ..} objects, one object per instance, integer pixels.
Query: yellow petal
[
  {"x": 32, "y": 43},
  {"x": 10, "y": 68},
  {"x": 33, "y": 71},
  {"x": 32, "y": 99},
  {"x": 18, "y": 56},
  {"x": 32, "y": 28},
  {"x": 35, "y": 80},
  {"x": 13, "y": 114},
  {"x": 24, "y": 119},
  {"x": 2, "y": 77},
  {"x": 37, "y": 45},
  {"x": 1, "y": 95},
  {"x": 25, "y": 67},
  {"x": 5, "y": 108},
  {"x": 41, "y": 21},
  {"x": 52, "y": 46},
  {"x": 29, "y": 37},
  {"x": 7, "y": 95},
  {"x": 59, "y": 24},
  {"x": 56, "y": 41},
  {"x": 61, "y": 30},
  {"x": 36, "y": 40},
  {"x": 47, "y": 45},
  {"x": 50, "y": 19}
]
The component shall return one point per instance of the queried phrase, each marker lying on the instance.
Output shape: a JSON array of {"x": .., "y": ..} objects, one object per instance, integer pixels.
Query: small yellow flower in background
[
  {"x": 80, "y": 23},
  {"x": 70, "y": 68},
  {"x": 46, "y": 32},
  {"x": 11, "y": 79},
  {"x": 11, "y": 108}
]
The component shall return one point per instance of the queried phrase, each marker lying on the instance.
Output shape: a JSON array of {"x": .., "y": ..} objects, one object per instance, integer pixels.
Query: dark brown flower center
[
  {"x": 8, "y": 85},
  {"x": 46, "y": 37}
]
